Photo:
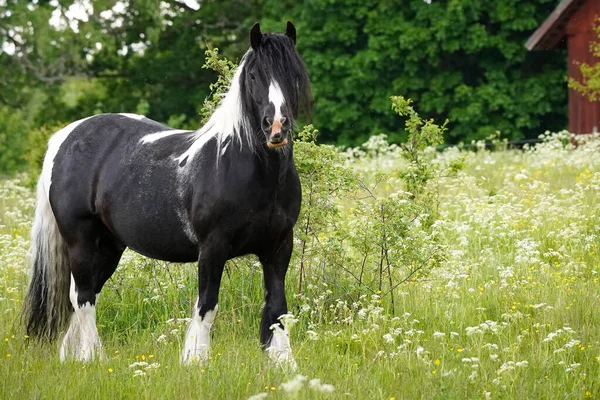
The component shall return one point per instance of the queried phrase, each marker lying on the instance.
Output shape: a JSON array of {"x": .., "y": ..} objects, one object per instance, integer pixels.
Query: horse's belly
[
  {"x": 174, "y": 254},
  {"x": 160, "y": 234}
]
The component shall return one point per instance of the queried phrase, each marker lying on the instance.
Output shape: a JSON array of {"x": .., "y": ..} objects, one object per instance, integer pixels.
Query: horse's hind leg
[
  {"x": 197, "y": 338},
  {"x": 273, "y": 335},
  {"x": 94, "y": 255}
]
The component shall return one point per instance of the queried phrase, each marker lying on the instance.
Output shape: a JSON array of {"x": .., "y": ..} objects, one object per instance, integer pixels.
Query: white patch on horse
[
  {"x": 153, "y": 137},
  {"x": 185, "y": 220},
  {"x": 53, "y": 145},
  {"x": 224, "y": 149},
  {"x": 276, "y": 97},
  {"x": 133, "y": 116},
  {"x": 280, "y": 350},
  {"x": 197, "y": 337},
  {"x": 197, "y": 144},
  {"x": 226, "y": 122},
  {"x": 81, "y": 341}
]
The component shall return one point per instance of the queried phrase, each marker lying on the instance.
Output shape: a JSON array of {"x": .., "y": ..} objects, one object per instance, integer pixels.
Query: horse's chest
[
  {"x": 257, "y": 220},
  {"x": 274, "y": 215},
  {"x": 246, "y": 208}
]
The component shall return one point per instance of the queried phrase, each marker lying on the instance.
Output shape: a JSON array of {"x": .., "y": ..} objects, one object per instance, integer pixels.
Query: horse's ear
[
  {"x": 255, "y": 36},
  {"x": 290, "y": 31}
]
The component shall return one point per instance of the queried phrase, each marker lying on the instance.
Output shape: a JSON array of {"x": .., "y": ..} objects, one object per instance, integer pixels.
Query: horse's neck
[{"x": 276, "y": 164}]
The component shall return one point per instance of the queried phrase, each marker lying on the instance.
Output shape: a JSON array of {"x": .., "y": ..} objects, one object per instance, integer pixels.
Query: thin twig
[{"x": 407, "y": 278}]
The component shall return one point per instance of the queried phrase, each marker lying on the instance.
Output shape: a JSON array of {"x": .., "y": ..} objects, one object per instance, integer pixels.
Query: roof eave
[{"x": 551, "y": 32}]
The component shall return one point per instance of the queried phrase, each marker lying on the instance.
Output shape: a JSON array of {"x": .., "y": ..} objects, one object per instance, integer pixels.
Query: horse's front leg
[
  {"x": 273, "y": 335},
  {"x": 197, "y": 339}
]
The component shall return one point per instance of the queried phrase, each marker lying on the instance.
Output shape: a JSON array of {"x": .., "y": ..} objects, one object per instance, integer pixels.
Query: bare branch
[{"x": 414, "y": 271}]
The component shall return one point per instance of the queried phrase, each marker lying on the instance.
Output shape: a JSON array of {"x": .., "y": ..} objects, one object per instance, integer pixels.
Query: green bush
[
  {"x": 36, "y": 144},
  {"x": 13, "y": 131}
]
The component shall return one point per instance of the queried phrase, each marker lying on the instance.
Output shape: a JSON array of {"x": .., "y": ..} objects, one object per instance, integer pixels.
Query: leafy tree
[
  {"x": 458, "y": 59},
  {"x": 65, "y": 60},
  {"x": 463, "y": 60},
  {"x": 325, "y": 178},
  {"x": 153, "y": 61}
]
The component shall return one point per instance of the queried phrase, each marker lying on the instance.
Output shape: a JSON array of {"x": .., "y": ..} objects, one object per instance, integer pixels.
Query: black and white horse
[{"x": 231, "y": 188}]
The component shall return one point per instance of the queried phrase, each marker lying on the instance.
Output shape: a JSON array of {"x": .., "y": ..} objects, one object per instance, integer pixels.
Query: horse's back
[
  {"x": 97, "y": 135},
  {"x": 102, "y": 169}
]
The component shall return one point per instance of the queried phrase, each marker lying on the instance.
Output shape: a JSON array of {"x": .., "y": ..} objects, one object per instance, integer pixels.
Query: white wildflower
[
  {"x": 139, "y": 364},
  {"x": 315, "y": 384},
  {"x": 312, "y": 335},
  {"x": 294, "y": 385},
  {"x": 258, "y": 396},
  {"x": 152, "y": 366},
  {"x": 522, "y": 364},
  {"x": 507, "y": 366},
  {"x": 288, "y": 321},
  {"x": 161, "y": 338},
  {"x": 572, "y": 343},
  {"x": 473, "y": 375}
]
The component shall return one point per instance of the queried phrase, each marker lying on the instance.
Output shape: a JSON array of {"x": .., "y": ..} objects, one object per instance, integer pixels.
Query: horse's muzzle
[
  {"x": 276, "y": 144},
  {"x": 276, "y": 131},
  {"x": 277, "y": 137}
]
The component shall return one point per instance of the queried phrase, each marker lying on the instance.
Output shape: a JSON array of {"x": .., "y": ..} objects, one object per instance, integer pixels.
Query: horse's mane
[{"x": 231, "y": 121}]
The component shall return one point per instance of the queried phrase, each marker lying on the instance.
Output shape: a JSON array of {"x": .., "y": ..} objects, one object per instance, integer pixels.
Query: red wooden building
[{"x": 571, "y": 26}]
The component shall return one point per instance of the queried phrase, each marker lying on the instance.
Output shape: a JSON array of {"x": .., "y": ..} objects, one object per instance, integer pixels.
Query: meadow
[{"x": 509, "y": 311}]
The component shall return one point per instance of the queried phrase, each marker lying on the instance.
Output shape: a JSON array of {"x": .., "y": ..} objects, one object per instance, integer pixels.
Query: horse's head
[{"x": 275, "y": 84}]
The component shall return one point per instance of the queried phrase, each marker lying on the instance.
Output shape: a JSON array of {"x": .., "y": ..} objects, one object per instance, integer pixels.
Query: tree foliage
[
  {"x": 462, "y": 60},
  {"x": 62, "y": 61}
]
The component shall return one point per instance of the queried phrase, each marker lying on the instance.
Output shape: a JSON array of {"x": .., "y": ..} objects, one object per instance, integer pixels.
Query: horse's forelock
[{"x": 277, "y": 54}]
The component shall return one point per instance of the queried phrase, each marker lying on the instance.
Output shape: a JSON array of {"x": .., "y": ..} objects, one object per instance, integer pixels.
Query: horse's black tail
[{"x": 47, "y": 307}]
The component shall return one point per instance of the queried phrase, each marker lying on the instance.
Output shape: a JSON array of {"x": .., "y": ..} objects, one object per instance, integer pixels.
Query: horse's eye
[{"x": 252, "y": 76}]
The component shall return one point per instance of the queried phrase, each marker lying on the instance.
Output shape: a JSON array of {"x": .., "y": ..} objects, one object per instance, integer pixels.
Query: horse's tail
[{"x": 47, "y": 307}]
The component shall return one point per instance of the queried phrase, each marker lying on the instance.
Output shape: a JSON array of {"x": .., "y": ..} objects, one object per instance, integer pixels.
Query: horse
[{"x": 230, "y": 188}]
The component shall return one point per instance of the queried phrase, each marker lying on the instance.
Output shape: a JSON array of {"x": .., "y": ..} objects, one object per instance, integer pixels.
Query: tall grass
[{"x": 510, "y": 313}]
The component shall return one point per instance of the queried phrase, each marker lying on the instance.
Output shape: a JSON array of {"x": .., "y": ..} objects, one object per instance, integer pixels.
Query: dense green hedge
[{"x": 463, "y": 60}]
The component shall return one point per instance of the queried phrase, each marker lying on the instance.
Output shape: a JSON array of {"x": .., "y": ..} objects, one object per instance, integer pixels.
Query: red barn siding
[{"x": 584, "y": 116}]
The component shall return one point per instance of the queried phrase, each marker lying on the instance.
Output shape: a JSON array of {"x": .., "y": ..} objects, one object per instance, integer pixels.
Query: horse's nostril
[{"x": 267, "y": 122}]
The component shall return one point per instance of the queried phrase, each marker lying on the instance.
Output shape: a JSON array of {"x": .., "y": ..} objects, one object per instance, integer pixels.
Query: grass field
[{"x": 512, "y": 312}]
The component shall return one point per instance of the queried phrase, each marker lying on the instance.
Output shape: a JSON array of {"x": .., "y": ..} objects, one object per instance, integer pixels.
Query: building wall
[{"x": 584, "y": 116}]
